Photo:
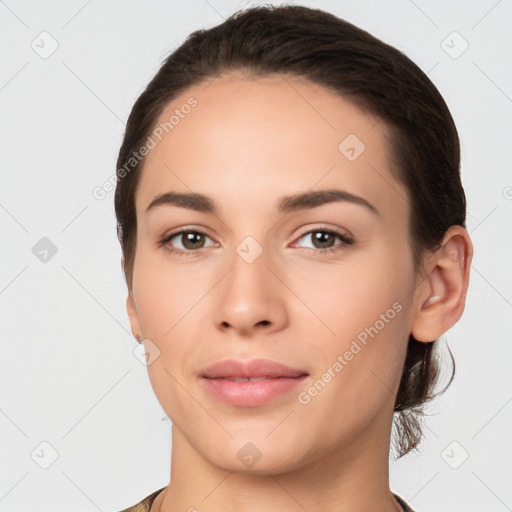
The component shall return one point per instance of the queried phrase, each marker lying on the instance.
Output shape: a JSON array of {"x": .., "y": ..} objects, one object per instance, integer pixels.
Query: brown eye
[
  {"x": 323, "y": 240},
  {"x": 185, "y": 241},
  {"x": 192, "y": 240}
]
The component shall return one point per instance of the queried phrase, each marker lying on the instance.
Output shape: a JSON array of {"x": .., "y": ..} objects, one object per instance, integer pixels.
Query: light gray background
[{"x": 68, "y": 375}]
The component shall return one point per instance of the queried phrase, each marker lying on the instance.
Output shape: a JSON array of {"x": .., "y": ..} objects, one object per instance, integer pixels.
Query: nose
[{"x": 251, "y": 299}]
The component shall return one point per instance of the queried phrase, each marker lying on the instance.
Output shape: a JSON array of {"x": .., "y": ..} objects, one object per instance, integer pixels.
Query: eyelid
[
  {"x": 187, "y": 228},
  {"x": 327, "y": 227}
]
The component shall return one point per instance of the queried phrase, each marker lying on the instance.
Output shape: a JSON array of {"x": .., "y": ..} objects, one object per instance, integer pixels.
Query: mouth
[
  {"x": 249, "y": 392},
  {"x": 251, "y": 370},
  {"x": 250, "y": 384},
  {"x": 248, "y": 379}
]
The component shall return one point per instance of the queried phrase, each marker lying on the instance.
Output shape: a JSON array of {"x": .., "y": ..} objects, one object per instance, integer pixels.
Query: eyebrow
[{"x": 287, "y": 204}]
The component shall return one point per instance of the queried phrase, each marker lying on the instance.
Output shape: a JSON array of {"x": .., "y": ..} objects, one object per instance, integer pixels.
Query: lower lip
[{"x": 251, "y": 394}]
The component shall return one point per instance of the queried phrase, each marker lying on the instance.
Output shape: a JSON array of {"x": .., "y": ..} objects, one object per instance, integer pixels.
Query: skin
[{"x": 290, "y": 304}]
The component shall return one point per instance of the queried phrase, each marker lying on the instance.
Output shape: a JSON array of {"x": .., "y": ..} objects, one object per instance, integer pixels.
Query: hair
[{"x": 312, "y": 44}]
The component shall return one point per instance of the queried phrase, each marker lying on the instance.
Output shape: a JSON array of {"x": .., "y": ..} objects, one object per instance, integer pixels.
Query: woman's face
[{"x": 324, "y": 286}]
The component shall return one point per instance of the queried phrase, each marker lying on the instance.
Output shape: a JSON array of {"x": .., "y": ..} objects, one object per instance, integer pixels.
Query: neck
[{"x": 353, "y": 478}]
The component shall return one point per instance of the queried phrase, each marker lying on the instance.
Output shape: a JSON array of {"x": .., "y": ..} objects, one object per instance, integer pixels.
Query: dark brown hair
[{"x": 301, "y": 42}]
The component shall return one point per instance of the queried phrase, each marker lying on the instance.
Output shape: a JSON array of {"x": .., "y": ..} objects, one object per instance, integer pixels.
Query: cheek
[
  {"x": 346, "y": 297},
  {"x": 358, "y": 371},
  {"x": 360, "y": 324},
  {"x": 170, "y": 305},
  {"x": 167, "y": 295}
]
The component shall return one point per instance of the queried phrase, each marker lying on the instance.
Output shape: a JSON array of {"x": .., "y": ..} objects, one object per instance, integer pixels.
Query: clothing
[
  {"x": 145, "y": 504},
  {"x": 402, "y": 503}
]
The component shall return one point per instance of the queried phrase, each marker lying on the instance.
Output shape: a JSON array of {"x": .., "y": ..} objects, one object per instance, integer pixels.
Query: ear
[
  {"x": 441, "y": 297},
  {"x": 132, "y": 315}
]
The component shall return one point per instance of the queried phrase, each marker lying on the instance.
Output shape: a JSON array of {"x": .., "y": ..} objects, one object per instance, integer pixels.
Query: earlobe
[
  {"x": 133, "y": 317},
  {"x": 441, "y": 297},
  {"x": 132, "y": 312}
]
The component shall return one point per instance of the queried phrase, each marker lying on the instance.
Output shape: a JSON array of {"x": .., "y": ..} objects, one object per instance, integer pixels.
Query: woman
[{"x": 292, "y": 223}]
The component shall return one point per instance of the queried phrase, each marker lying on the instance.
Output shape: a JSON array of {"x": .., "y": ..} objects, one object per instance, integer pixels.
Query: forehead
[{"x": 253, "y": 138}]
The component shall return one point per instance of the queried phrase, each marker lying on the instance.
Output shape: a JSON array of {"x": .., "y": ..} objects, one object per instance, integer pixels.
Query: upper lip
[{"x": 238, "y": 369}]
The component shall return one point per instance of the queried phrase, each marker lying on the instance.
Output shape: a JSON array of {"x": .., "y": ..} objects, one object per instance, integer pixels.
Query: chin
[{"x": 258, "y": 457}]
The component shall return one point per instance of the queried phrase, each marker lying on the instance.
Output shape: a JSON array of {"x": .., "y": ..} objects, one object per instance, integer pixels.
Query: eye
[
  {"x": 190, "y": 240},
  {"x": 323, "y": 239}
]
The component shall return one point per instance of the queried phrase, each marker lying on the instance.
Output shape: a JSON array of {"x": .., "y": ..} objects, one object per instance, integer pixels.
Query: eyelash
[{"x": 346, "y": 241}]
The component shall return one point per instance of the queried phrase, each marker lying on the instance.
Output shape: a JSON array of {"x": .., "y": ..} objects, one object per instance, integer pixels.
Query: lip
[
  {"x": 234, "y": 368},
  {"x": 277, "y": 379}
]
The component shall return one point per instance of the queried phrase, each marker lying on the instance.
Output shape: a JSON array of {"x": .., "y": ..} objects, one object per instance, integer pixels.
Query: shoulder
[
  {"x": 145, "y": 504},
  {"x": 402, "y": 503}
]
